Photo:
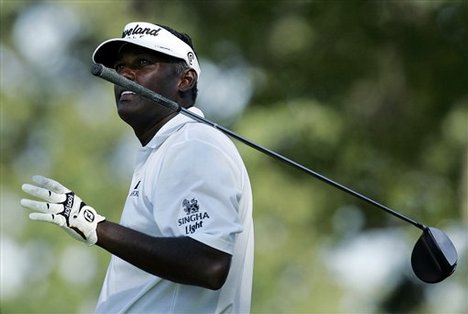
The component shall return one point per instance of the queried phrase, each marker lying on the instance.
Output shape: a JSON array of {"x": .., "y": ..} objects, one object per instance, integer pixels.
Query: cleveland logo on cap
[{"x": 137, "y": 30}]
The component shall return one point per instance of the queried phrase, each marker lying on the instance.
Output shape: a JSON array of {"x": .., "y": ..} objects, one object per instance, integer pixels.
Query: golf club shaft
[{"x": 113, "y": 77}]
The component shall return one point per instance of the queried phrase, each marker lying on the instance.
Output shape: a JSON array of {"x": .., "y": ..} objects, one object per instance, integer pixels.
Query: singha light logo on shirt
[
  {"x": 193, "y": 219},
  {"x": 190, "y": 207}
]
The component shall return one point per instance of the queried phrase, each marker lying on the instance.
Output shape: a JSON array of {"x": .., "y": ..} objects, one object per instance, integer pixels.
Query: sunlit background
[{"x": 373, "y": 94}]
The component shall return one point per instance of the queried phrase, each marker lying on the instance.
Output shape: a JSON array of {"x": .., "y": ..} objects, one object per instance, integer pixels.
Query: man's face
[{"x": 153, "y": 71}]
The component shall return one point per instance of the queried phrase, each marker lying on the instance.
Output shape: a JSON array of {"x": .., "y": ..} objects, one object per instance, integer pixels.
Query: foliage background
[{"x": 373, "y": 94}]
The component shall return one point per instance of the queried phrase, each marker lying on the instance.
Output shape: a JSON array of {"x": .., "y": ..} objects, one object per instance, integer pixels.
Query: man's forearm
[{"x": 183, "y": 259}]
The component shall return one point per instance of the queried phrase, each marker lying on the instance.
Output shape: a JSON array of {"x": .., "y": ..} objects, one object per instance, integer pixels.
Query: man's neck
[{"x": 145, "y": 136}]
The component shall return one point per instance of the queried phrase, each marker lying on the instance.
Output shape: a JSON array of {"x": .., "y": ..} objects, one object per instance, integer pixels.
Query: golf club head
[{"x": 434, "y": 256}]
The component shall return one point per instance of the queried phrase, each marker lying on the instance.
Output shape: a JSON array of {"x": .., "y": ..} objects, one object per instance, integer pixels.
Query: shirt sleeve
[{"x": 198, "y": 194}]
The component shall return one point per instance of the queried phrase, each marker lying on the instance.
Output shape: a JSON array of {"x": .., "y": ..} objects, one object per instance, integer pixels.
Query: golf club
[{"x": 434, "y": 256}]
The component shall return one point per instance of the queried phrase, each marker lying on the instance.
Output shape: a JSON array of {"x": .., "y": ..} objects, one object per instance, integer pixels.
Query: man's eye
[
  {"x": 118, "y": 68},
  {"x": 142, "y": 62},
  {"x": 137, "y": 64}
]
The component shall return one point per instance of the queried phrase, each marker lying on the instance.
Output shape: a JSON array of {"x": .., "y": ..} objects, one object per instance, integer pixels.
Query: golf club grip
[
  {"x": 100, "y": 70},
  {"x": 113, "y": 77}
]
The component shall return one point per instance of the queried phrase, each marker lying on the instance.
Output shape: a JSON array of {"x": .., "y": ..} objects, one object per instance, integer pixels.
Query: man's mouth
[{"x": 126, "y": 93}]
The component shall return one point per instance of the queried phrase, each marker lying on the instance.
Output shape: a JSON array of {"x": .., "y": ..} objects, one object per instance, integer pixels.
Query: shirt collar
[{"x": 170, "y": 127}]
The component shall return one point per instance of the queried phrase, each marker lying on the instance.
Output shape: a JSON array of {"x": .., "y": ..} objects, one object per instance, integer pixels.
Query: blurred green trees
[{"x": 372, "y": 94}]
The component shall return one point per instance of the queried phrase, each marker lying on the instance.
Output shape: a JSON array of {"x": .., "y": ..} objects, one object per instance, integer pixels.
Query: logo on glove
[
  {"x": 68, "y": 205},
  {"x": 88, "y": 215}
]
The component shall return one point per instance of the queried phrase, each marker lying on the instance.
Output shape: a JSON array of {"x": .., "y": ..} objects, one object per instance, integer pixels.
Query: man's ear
[{"x": 188, "y": 80}]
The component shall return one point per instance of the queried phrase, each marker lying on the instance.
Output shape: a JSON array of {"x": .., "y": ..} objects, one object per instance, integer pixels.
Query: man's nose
[{"x": 127, "y": 72}]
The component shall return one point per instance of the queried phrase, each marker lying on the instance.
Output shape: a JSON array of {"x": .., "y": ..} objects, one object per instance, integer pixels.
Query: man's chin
[
  {"x": 139, "y": 117},
  {"x": 130, "y": 117}
]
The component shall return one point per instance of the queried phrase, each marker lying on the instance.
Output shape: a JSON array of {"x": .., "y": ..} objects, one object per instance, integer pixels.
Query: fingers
[
  {"x": 42, "y": 193},
  {"x": 56, "y": 219},
  {"x": 42, "y": 207},
  {"x": 50, "y": 184}
]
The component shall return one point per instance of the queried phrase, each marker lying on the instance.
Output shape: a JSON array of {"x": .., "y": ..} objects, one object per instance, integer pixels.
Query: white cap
[{"x": 149, "y": 36}]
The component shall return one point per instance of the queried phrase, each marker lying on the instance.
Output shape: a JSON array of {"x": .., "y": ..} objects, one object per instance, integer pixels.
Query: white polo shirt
[{"x": 189, "y": 181}]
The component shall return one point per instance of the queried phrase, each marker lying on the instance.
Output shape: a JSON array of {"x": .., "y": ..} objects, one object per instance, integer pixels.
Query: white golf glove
[{"x": 62, "y": 207}]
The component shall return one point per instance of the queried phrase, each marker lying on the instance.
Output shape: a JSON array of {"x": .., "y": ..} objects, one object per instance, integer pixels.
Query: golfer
[{"x": 184, "y": 243}]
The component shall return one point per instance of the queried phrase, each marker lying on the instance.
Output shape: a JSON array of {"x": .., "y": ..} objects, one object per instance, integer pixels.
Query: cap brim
[{"x": 107, "y": 52}]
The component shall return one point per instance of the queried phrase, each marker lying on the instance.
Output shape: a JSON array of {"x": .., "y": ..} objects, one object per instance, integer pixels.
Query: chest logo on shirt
[
  {"x": 193, "y": 219},
  {"x": 135, "y": 192}
]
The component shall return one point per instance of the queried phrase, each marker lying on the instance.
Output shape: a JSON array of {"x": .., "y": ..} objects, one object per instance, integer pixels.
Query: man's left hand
[{"x": 62, "y": 207}]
